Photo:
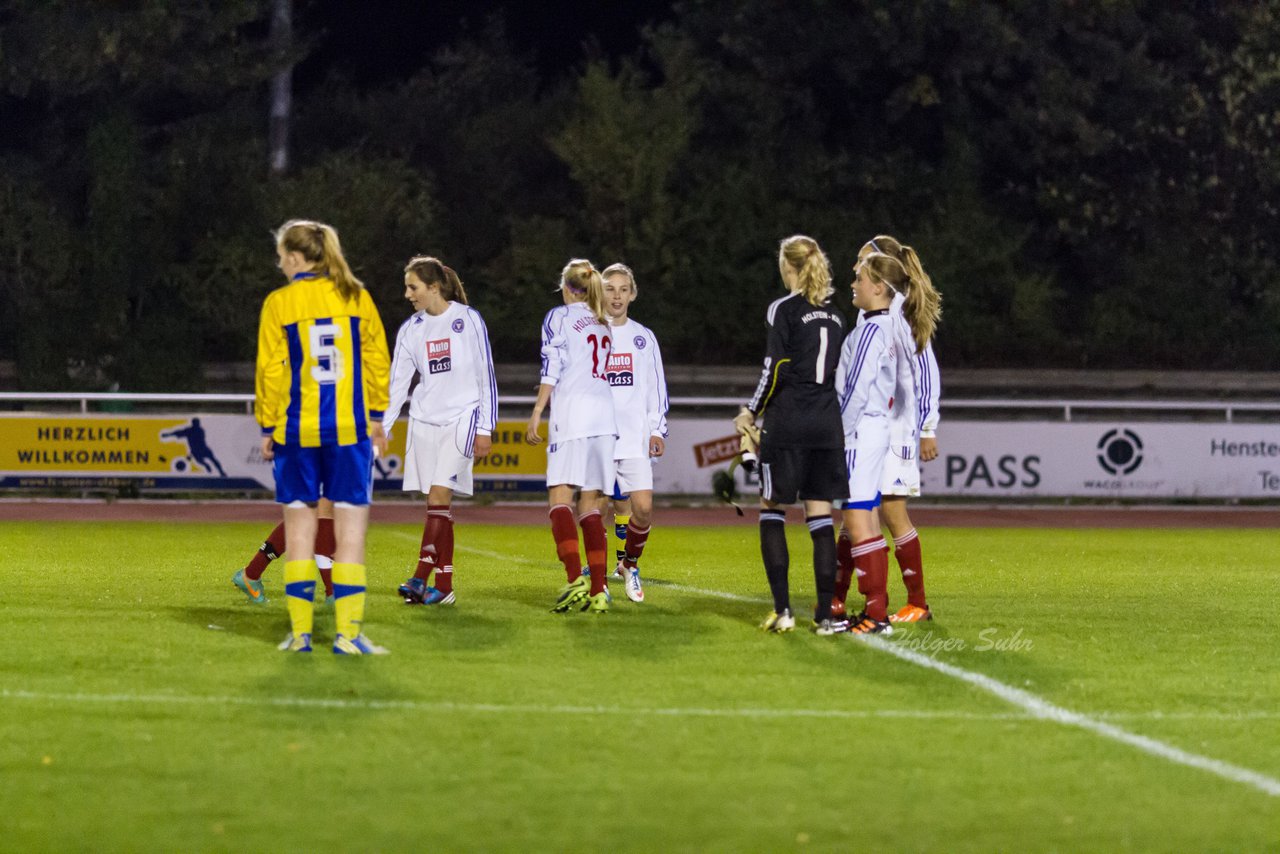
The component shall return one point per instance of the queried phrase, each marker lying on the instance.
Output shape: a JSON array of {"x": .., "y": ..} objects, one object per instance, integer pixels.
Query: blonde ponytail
[
  {"x": 582, "y": 280},
  {"x": 922, "y": 304},
  {"x": 813, "y": 271},
  {"x": 318, "y": 244},
  {"x": 335, "y": 264}
]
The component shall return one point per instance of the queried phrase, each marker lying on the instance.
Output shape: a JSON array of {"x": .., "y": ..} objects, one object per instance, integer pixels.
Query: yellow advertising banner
[
  {"x": 100, "y": 444},
  {"x": 510, "y": 454},
  {"x": 201, "y": 452}
]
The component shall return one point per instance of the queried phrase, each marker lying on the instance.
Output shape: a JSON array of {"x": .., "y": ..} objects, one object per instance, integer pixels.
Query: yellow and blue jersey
[{"x": 323, "y": 365}]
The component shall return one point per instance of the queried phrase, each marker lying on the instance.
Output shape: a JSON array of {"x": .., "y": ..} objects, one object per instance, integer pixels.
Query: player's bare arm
[{"x": 531, "y": 431}]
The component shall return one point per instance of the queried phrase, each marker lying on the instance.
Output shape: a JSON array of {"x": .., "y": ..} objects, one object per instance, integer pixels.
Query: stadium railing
[{"x": 1066, "y": 410}]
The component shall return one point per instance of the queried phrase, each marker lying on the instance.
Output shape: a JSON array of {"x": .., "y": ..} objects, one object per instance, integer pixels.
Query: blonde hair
[
  {"x": 922, "y": 304},
  {"x": 580, "y": 278},
  {"x": 621, "y": 270},
  {"x": 803, "y": 255},
  {"x": 433, "y": 271},
  {"x": 318, "y": 244},
  {"x": 886, "y": 270}
]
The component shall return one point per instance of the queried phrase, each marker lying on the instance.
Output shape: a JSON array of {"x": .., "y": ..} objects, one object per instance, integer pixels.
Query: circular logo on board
[{"x": 1120, "y": 451}]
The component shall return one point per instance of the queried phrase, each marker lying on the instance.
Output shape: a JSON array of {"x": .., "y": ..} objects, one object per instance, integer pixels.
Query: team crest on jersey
[
  {"x": 639, "y": 342},
  {"x": 618, "y": 370},
  {"x": 458, "y": 325},
  {"x": 439, "y": 359}
]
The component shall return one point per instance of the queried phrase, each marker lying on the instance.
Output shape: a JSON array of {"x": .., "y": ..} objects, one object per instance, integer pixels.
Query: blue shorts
[{"x": 337, "y": 472}]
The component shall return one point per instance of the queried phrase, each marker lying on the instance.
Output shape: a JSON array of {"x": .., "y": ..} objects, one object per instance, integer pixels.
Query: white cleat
[{"x": 634, "y": 591}]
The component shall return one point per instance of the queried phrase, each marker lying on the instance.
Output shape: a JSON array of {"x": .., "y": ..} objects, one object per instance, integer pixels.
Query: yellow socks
[
  {"x": 348, "y": 598},
  {"x": 300, "y": 594}
]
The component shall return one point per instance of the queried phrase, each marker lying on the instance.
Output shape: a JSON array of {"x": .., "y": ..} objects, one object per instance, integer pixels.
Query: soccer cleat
[
  {"x": 358, "y": 645},
  {"x": 830, "y": 626},
  {"x": 571, "y": 594},
  {"x": 597, "y": 604},
  {"x": 301, "y": 643},
  {"x": 619, "y": 571},
  {"x": 586, "y": 573},
  {"x": 634, "y": 591},
  {"x": 432, "y": 596},
  {"x": 412, "y": 591},
  {"x": 252, "y": 589},
  {"x": 778, "y": 623},
  {"x": 911, "y": 614},
  {"x": 869, "y": 626}
]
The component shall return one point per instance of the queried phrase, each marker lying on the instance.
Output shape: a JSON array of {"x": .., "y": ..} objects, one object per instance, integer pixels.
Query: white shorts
[
  {"x": 585, "y": 463},
  {"x": 866, "y": 461},
  {"x": 901, "y": 474},
  {"x": 634, "y": 474},
  {"x": 438, "y": 456}
]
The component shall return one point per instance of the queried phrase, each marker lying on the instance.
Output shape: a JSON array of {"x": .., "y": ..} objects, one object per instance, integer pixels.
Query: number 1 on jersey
[{"x": 821, "y": 365}]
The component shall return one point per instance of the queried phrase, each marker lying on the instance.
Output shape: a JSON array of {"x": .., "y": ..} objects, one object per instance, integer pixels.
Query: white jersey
[
  {"x": 867, "y": 374},
  {"x": 915, "y": 409},
  {"x": 904, "y": 414},
  {"x": 575, "y": 356},
  {"x": 639, "y": 389},
  {"x": 450, "y": 354},
  {"x": 929, "y": 383}
]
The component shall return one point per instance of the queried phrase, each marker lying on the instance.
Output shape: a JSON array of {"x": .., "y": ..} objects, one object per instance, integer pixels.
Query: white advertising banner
[
  {"x": 1138, "y": 459},
  {"x": 1040, "y": 459}
]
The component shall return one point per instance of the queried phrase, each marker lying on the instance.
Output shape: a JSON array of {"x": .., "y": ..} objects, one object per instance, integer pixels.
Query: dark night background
[{"x": 1091, "y": 185}]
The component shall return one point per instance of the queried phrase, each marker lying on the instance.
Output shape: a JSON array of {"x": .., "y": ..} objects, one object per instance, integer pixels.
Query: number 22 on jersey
[{"x": 600, "y": 347}]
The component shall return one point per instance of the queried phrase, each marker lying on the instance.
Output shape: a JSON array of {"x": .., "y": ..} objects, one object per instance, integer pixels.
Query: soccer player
[
  {"x": 640, "y": 407},
  {"x": 576, "y": 343},
  {"x": 451, "y": 415},
  {"x": 921, "y": 307},
  {"x": 801, "y": 443},
  {"x": 873, "y": 378},
  {"x": 249, "y": 579},
  {"x": 321, "y": 391}
]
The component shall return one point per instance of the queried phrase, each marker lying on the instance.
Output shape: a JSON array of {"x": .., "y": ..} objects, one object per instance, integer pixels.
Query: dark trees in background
[{"x": 1090, "y": 185}]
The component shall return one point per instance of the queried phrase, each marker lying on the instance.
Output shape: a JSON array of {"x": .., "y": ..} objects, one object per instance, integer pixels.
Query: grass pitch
[{"x": 143, "y": 705}]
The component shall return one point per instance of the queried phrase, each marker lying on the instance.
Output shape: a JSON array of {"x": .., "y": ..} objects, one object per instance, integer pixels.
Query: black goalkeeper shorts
[{"x": 812, "y": 474}]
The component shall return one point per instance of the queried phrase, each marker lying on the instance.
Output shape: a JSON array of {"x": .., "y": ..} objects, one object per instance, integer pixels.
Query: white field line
[
  {"x": 79, "y": 698},
  {"x": 1044, "y": 710},
  {"x": 1035, "y": 707},
  {"x": 85, "y": 698}
]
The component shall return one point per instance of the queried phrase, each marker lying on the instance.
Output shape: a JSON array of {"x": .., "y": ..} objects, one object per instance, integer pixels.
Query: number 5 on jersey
[{"x": 328, "y": 368}]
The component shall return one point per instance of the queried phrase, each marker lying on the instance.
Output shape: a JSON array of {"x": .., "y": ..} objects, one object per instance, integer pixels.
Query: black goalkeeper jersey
[{"x": 797, "y": 396}]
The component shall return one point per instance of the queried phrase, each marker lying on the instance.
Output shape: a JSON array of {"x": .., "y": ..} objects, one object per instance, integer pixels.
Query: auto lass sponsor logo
[{"x": 438, "y": 358}]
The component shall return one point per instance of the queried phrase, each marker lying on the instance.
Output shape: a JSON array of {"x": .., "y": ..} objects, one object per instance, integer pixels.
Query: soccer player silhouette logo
[
  {"x": 197, "y": 448},
  {"x": 385, "y": 467}
]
